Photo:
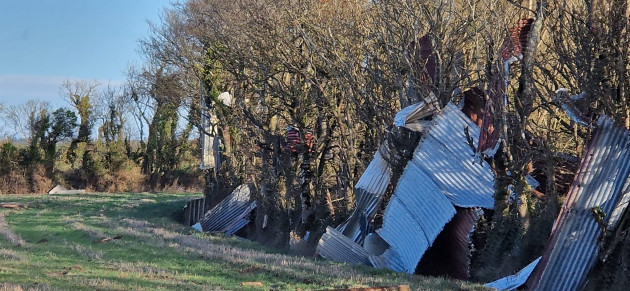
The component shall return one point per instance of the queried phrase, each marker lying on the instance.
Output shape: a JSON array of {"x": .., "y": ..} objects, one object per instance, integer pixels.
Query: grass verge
[{"x": 133, "y": 241}]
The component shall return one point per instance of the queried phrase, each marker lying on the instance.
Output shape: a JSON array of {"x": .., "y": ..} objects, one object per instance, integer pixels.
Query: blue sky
[{"x": 43, "y": 43}]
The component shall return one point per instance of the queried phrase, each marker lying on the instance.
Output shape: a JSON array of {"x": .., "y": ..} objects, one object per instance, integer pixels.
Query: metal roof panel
[
  {"x": 335, "y": 246},
  {"x": 598, "y": 187},
  {"x": 444, "y": 154}
]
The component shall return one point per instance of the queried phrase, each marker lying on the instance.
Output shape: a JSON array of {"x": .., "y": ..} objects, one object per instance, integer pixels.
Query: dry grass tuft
[
  {"x": 12, "y": 237},
  {"x": 143, "y": 269},
  {"x": 87, "y": 252},
  {"x": 13, "y": 287},
  {"x": 282, "y": 265},
  {"x": 11, "y": 255},
  {"x": 89, "y": 231}
]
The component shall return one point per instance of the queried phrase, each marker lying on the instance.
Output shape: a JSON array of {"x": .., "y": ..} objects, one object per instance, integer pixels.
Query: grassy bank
[{"x": 133, "y": 241}]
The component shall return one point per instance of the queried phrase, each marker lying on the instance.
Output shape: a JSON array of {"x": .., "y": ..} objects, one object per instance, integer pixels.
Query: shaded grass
[{"x": 60, "y": 249}]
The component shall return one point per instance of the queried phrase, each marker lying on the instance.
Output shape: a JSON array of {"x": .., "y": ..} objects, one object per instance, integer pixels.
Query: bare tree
[
  {"x": 79, "y": 94},
  {"x": 22, "y": 117}
]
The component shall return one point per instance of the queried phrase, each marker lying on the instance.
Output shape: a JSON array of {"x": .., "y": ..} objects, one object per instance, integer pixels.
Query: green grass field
[{"x": 67, "y": 242}]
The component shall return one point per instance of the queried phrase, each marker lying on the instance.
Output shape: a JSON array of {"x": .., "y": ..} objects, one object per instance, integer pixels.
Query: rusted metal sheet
[
  {"x": 447, "y": 158},
  {"x": 511, "y": 50},
  {"x": 479, "y": 110},
  {"x": 231, "y": 214},
  {"x": 474, "y": 105},
  {"x": 335, "y": 246},
  {"x": 453, "y": 245},
  {"x": 422, "y": 58},
  {"x": 599, "y": 189},
  {"x": 516, "y": 42}
]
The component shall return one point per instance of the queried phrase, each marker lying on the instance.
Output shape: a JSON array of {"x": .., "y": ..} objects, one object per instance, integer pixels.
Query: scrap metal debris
[
  {"x": 339, "y": 248},
  {"x": 514, "y": 281},
  {"x": 442, "y": 173},
  {"x": 231, "y": 214},
  {"x": 602, "y": 183},
  {"x": 61, "y": 190}
]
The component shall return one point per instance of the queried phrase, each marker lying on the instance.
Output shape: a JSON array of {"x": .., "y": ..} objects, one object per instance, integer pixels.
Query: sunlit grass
[{"x": 66, "y": 242}]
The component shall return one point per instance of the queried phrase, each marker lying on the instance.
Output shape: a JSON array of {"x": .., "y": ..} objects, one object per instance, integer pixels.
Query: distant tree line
[
  {"x": 340, "y": 70},
  {"x": 92, "y": 143}
]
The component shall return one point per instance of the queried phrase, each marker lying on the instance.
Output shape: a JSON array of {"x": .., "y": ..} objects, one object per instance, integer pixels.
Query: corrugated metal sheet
[
  {"x": 416, "y": 111},
  {"x": 453, "y": 245},
  {"x": 598, "y": 186},
  {"x": 414, "y": 217},
  {"x": 620, "y": 209},
  {"x": 229, "y": 214},
  {"x": 443, "y": 172},
  {"x": 514, "y": 281},
  {"x": 335, "y": 246},
  {"x": 446, "y": 157},
  {"x": 194, "y": 211},
  {"x": 236, "y": 226},
  {"x": 516, "y": 42},
  {"x": 374, "y": 180},
  {"x": 369, "y": 193},
  {"x": 373, "y": 183},
  {"x": 474, "y": 105}
]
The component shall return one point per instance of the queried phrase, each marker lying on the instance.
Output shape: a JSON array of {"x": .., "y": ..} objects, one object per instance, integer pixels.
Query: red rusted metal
[
  {"x": 480, "y": 112},
  {"x": 427, "y": 58},
  {"x": 516, "y": 41},
  {"x": 450, "y": 253},
  {"x": 422, "y": 57},
  {"x": 474, "y": 105}
]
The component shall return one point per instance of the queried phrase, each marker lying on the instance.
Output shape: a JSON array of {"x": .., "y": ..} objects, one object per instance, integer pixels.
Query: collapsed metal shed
[
  {"x": 443, "y": 172},
  {"x": 231, "y": 214},
  {"x": 597, "y": 198},
  {"x": 376, "y": 178}
]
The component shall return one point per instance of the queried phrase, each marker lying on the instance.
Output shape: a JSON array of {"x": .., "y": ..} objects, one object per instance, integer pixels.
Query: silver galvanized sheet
[
  {"x": 225, "y": 215},
  {"x": 414, "y": 217},
  {"x": 599, "y": 186},
  {"x": 368, "y": 192},
  {"x": 444, "y": 154},
  {"x": 335, "y": 246}
]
